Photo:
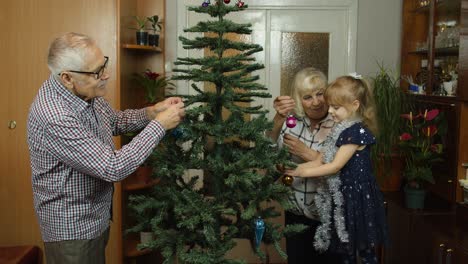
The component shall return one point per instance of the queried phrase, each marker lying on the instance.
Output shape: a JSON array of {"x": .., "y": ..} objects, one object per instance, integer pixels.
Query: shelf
[
  {"x": 448, "y": 6},
  {"x": 451, "y": 51},
  {"x": 130, "y": 247},
  {"x": 130, "y": 184},
  {"x": 141, "y": 47},
  {"x": 442, "y": 6}
]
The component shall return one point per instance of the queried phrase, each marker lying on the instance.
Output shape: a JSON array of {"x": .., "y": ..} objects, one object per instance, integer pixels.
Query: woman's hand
[
  {"x": 298, "y": 148},
  {"x": 283, "y": 105}
]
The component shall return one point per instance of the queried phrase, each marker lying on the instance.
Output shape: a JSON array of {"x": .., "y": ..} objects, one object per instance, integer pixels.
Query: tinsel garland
[{"x": 328, "y": 194}]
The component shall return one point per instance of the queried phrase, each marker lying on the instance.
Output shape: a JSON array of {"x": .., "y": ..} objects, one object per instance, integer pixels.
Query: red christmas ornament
[
  {"x": 291, "y": 121},
  {"x": 227, "y": 1},
  {"x": 240, "y": 4}
]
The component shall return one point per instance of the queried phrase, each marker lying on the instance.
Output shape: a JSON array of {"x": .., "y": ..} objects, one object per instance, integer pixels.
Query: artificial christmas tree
[{"x": 223, "y": 136}]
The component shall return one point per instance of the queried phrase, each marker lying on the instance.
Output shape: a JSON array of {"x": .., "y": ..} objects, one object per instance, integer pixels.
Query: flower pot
[
  {"x": 153, "y": 40},
  {"x": 142, "y": 38},
  {"x": 143, "y": 174},
  {"x": 390, "y": 181},
  {"x": 146, "y": 237},
  {"x": 414, "y": 198}
]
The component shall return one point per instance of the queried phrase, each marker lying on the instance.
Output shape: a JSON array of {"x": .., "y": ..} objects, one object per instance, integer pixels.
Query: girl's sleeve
[{"x": 357, "y": 135}]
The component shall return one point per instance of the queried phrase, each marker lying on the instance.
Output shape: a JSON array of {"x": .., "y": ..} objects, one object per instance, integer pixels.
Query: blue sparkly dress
[{"x": 364, "y": 211}]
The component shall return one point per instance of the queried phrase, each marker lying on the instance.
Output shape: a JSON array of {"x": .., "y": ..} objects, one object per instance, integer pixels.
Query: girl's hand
[
  {"x": 283, "y": 105},
  {"x": 294, "y": 173}
]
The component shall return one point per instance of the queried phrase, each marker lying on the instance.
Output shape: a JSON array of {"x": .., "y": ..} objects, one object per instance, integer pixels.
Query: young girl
[{"x": 352, "y": 193}]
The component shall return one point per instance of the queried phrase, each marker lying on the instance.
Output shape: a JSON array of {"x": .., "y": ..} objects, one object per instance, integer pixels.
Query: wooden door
[{"x": 28, "y": 26}]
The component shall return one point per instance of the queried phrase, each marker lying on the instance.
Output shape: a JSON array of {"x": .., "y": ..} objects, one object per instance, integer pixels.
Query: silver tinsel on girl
[{"x": 329, "y": 199}]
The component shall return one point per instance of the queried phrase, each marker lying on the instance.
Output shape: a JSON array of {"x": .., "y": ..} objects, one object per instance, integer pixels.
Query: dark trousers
[
  {"x": 300, "y": 247},
  {"x": 91, "y": 251}
]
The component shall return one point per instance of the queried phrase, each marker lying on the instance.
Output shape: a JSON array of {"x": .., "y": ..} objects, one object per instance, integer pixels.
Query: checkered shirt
[
  {"x": 74, "y": 161},
  {"x": 305, "y": 188}
]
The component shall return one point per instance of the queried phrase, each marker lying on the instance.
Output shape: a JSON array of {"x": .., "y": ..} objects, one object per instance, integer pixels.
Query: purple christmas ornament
[{"x": 291, "y": 121}]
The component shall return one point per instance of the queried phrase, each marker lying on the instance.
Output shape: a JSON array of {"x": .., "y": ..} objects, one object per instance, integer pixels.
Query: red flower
[
  {"x": 405, "y": 137},
  {"x": 151, "y": 75},
  {"x": 431, "y": 114},
  {"x": 429, "y": 131}
]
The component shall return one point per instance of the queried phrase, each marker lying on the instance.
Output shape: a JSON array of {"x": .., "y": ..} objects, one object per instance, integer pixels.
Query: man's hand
[
  {"x": 172, "y": 113},
  {"x": 152, "y": 111},
  {"x": 283, "y": 105}
]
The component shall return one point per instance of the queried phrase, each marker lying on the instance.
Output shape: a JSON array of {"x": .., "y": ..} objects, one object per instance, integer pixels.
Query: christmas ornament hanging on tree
[
  {"x": 291, "y": 121},
  {"x": 227, "y": 1},
  {"x": 287, "y": 180},
  {"x": 178, "y": 132},
  {"x": 259, "y": 231},
  {"x": 206, "y": 3},
  {"x": 240, "y": 3}
]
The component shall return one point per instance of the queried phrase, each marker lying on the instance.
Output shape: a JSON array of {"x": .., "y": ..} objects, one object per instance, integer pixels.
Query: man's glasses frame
[{"x": 98, "y": 74}]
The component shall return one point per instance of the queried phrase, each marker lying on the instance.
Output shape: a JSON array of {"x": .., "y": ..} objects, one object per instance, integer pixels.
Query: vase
[
  {"x": 142, "y": 38},
  {"x": 153, "y": 40},
  {"x": 414, "y": 198}
]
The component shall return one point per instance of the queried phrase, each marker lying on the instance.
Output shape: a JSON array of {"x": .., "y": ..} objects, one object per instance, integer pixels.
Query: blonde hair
[
  {"x": 306, "y": 80},
  {"x": 345, "y": 89},
  {"x": 68, "y": 52}
]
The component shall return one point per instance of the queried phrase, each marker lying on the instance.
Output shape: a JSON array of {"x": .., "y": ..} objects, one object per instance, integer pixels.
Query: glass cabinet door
[{"x": 430, "y": 47}]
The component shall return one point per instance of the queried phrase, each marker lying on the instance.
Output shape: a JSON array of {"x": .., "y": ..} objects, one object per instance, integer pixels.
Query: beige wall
[
  {"x": 27, "y": 28},
  {"x": 378, "y": 35}
]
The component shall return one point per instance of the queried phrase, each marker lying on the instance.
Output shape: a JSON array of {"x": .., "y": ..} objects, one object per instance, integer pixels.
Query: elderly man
[{"x": 73, "y": 158}]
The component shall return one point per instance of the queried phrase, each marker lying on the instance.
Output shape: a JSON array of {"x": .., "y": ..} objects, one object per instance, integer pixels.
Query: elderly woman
[{"x": 308, "y": 106}]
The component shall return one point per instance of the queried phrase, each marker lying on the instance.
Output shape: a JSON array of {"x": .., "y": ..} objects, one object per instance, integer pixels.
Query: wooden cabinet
[
  {"x": 436, "y": 235},
  {"x": 135, "y": 58},
  {"x": 434, "y": 55},
  {"x": 435, "y": 51},
  {"x": 431, "y": 46},
  {"x": 410, "y": 240}
]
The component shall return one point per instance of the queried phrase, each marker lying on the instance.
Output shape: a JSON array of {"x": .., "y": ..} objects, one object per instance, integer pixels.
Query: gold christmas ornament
[{"x": 287, "y": 180}]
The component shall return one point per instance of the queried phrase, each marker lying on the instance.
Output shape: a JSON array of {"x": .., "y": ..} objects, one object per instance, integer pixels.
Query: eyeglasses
[{"x": 98, "y": 74}]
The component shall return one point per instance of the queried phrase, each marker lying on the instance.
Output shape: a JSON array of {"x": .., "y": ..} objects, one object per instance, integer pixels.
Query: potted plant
[
  {"x": 140, "y": 209},
  {"x": 420, "y": 147},
  {"x": 156, "y": 26},
  {"x": 141, "y": 34},
  {"x": 389, "y": 101},
  {"x": 154, "y": 85}
]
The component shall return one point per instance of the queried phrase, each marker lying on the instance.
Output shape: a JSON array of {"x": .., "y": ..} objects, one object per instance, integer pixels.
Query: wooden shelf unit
[{"x": 133, "y": 59}]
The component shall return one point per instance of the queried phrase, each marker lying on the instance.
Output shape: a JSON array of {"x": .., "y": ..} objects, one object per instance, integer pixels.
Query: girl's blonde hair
[
  {"x": 345, "y": 89},
  {"x": 306, "y": 80}
]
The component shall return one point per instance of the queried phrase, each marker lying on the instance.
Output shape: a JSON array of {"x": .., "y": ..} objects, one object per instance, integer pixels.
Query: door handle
[
  {"x": 448, "y": 257},
  {"x": 12, "y": 124},
  {"x": 440, "y": 254}
]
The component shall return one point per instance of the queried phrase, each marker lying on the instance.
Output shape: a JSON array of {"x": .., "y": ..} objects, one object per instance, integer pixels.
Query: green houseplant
[
  {"x": 421, "y": 148},
  {"x": 156, "y": 26},
  {"x": 154, "y": 85},
  {"x": 141, "y": 211},
  {"x": 141, "y": 34},
  {"x": 389, "y": 100}
]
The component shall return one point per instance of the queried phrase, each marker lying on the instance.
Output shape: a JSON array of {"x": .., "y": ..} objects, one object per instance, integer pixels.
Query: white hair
[
  {"x": 306, "y": 80},
  {"x": 68, "y": 52}
]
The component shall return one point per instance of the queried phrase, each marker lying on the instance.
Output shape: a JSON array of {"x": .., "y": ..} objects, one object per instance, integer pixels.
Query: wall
[
  {"x": 378, "y": 35},
  {"x": 28, "y": 26}
]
